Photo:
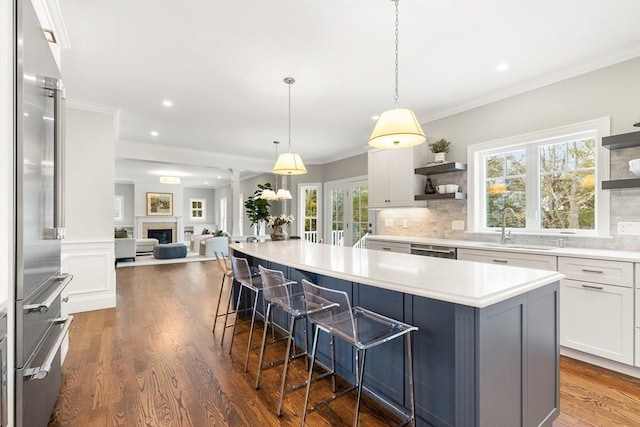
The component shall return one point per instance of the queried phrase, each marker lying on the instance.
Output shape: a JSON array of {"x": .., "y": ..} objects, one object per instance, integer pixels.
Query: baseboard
[
  {"x": 80, "y": 303},
  {"x": 599, "y": 361}
]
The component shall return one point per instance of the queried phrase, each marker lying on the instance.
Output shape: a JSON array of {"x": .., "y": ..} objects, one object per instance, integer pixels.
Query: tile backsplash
[{"x": 436, "y": 219}]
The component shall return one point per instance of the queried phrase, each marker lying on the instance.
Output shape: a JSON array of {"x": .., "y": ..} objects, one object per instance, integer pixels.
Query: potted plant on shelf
[
  {"x": 440, "y": 148},
  {"x": 257, "y": 208}
]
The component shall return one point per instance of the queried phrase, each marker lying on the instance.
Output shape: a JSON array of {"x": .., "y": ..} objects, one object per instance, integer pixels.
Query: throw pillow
[{"x": 121, "y": 233}]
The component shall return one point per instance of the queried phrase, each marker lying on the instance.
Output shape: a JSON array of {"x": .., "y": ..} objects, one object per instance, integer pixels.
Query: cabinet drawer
[
  {"x": 542, "y": 262},
  {"x": 616, "y": 273},
  {"x": 403, "y": 248},
  {"x": 597, "y": 319}
]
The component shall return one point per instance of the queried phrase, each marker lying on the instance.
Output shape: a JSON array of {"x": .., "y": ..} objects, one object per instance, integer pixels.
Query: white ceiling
[{"x": 222, "y": 64}]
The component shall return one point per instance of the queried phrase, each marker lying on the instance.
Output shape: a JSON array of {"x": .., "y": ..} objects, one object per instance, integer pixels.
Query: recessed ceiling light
[
  {"x": 219, "y": 177},
  {"x": 154, "y": 133},
  {"x": 206, "y": 182},
  {"x": 502, "y": 67},
  {"x": 374, "y": 118},
  {"x": 167, "y": 103}
]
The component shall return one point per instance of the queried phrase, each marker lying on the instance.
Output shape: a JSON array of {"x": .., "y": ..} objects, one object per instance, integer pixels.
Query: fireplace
[{"x": 164, "y": 235}]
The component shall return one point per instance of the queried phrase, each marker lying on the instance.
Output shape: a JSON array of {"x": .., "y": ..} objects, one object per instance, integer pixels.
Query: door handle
[
  {"x": 41, "y": 372},
  {"x": 44, "y": 306},
  {"x": 57, "y": 94}
]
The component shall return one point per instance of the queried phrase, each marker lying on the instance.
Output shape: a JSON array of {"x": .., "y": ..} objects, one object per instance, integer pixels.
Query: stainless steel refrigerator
[{"x": 39, "y": 217}]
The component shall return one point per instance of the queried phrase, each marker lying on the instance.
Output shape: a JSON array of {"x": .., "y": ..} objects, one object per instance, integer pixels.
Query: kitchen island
[{"x": 486, "y": 353}]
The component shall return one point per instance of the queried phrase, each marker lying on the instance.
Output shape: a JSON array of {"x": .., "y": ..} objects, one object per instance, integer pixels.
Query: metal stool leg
[
  {"x": 360, "y": 379},
  {"x": 313, "y": 361},
  {"x": 235, "y": 322},
  {"x": 215, "y": 317},
  {"x": 253, "y": 321},
  {"x": 292, "y": 322},
  {"x": 411, "y": 395},
  {"x": 226, "y": 315},
  {"x": 264, "y": 344}
]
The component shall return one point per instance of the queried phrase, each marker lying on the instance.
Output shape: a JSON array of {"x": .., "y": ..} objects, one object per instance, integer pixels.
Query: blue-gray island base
[{"x": 495, "y": 366}]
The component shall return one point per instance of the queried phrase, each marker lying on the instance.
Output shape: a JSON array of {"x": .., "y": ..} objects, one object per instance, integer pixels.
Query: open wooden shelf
[
  {"x": 625, "y": 140},
  {"x": 441, "y": 168},
  {"x": 616, "y": 184},
  {"x": 457, "y": 196}
]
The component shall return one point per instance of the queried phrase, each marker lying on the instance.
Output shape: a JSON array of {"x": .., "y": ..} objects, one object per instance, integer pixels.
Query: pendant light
[
  {"x": 289, "y": 163},
  {"x": 281, "y": 194},
  {"x": 397, "y": 128}
]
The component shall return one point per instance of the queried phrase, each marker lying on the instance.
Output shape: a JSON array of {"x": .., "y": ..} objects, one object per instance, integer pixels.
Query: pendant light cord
[
  {"x": 397, "y": 61},
  {"x": 290, "y": 83}
]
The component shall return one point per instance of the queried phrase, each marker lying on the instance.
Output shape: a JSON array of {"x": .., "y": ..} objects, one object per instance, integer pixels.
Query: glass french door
[{"x": 348, "y": 205}]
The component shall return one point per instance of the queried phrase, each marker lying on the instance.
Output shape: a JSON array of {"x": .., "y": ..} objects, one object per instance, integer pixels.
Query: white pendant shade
[
  {"x": 397, "y": 128},
  {"x": 289, "y": 164},
  {"x": 271, "y": 195}
]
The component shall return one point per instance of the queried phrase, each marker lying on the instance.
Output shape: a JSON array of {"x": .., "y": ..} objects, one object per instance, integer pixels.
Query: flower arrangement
[{"x": 283, "y": 219}]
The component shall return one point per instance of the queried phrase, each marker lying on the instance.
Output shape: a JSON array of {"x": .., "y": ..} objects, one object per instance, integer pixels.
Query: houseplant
[
  {"x": 277, "y": 222},
  {"x": 257, "y": 208},
  {"x": 440, "y": 148}
]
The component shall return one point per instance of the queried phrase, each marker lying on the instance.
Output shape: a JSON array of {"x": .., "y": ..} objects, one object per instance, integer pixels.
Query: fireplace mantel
[{"x": 144, "y": 223}]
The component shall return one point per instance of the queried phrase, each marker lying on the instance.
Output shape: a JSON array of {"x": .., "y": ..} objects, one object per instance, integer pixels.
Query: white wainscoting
[{"x": 93, "y": 267}]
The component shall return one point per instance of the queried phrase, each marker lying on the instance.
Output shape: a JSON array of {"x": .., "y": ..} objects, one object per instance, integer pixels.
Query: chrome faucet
[{"x": 506, "y": 236}]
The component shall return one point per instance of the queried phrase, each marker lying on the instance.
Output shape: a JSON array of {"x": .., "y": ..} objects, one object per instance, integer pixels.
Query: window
[
  {"x": 223, "y": 214},
  {"x": 309, "y": 209},
  {"x": 550, "y": 179},
  {"x": 118, "y": 208},
  {"x": 198, "y": 209}
]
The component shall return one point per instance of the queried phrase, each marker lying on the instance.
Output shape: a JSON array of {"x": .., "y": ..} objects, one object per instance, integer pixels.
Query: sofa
[
  {"x": 214, "y": 244},
  {"x": 125, "y": 248},
  {"x": 145, "y": 245}
]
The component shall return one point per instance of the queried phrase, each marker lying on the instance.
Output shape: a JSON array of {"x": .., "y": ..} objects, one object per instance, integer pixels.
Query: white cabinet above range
[{"x": 392, "y": 182}]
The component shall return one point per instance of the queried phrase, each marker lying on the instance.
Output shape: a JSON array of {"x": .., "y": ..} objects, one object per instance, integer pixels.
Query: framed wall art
[{"x": 159, "y": 204}]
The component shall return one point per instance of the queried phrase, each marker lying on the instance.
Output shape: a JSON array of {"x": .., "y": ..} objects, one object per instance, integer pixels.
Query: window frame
[
  {"x": 118, "y": 208},
  {"x": 203, "y": 209},
  {"x": 532, "y": 141},
  {"x": 223, "y": 213},
  {"x": 302, "y": 208}
]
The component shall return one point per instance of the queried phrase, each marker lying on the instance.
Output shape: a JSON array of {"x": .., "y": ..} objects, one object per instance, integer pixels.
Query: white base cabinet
[
  {"x": 403, "y": 248},
  {"x": 514, "y": 259},
  {"x": 597, "y": 319}
]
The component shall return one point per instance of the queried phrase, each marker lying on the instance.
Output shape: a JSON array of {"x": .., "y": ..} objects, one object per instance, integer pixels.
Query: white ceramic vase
[{"x": 440, "y": 157}]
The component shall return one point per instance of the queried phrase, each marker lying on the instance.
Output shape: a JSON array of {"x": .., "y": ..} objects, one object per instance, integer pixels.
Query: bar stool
[
  {"x": 223, "y": 266},
  {"x": 276, "y": 292},
  {"x": 361, "y": 328},
  {"x": 243, "y": 275}
]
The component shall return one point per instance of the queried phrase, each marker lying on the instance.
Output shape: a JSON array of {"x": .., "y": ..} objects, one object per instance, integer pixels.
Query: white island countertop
[{"x": 461, "y": 282}]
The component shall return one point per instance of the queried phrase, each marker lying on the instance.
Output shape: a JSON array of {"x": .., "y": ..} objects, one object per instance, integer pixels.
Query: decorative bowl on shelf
[{"x": 634, "y": 166}]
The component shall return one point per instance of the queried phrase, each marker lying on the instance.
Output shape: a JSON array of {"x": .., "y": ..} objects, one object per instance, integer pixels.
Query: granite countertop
[
  {"x": 461, "y": 282},
  {"x": 521, "y": 248}
]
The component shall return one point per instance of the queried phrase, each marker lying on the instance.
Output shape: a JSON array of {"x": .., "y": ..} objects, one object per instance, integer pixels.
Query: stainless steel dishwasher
[{"x": 434, "y": 251}]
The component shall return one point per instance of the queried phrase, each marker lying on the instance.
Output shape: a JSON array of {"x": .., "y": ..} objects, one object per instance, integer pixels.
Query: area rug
[{"x": 150, "y": 260}]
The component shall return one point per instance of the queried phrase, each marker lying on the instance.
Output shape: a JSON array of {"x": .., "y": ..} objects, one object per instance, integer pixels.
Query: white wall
[
  {"x": 613, "y": 92},
  {"x": 127, "y": 191},
  {"x": 87, "y": 251}
]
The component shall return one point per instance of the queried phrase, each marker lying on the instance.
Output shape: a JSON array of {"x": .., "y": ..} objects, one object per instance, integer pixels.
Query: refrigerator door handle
[
  {"x": 40, "y": 372},
  {"x": 43, "y": 306},
  {"x": 58, "y": 157}
]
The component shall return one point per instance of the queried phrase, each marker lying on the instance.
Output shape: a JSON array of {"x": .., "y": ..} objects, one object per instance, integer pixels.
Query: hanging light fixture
[
  {"x": 281, "y": 194},
  {"x": 399, "y": 127},
  {"x": 169, "y": 180},
  {"x": 289, "y": 163}
]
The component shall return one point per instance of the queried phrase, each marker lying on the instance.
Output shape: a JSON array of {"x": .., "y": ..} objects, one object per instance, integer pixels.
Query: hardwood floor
[{"x": 153, "y": 361}]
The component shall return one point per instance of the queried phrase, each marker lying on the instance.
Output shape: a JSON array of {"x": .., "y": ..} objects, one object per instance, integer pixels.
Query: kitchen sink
[{"x": 516, "y": 246}]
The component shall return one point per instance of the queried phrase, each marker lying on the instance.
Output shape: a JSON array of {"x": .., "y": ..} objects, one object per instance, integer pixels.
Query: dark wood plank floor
[{"x": 153, "y": 361}]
